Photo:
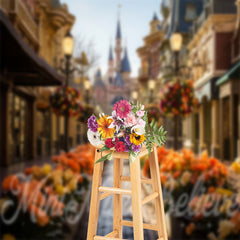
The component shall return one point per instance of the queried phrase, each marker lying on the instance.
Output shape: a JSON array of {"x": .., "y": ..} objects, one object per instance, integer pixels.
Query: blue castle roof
[
  {"x": 110, "y": 57},
  {"x": 125, "y": 63},
  {"x": 99, "y": 82},
  {"x": 119, "y": 32},
  {"x": 118, "y": 82}
]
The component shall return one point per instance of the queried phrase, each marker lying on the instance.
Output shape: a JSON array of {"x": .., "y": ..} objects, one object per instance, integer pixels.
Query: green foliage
[
  {"x": 154, "y": 135},
  {"x": 106, "y": 157}
]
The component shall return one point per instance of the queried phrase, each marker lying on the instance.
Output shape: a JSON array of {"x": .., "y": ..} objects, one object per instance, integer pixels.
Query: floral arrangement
[
  {"x": 126, "y": 130},
  {"x": 40, "y": 198},
  {"x": 177, "y": 98},
  {"x": 66, "y": 100}
]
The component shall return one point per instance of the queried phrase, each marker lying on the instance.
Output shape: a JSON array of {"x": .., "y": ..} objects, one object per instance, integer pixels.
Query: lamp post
[
  {"x": 87, "y": 86},
  {"x": 134, "y": 96},
  {"x": 68, "y": 44},
  {"x": 176, "y": 45},
  {"x": 151, "y": 86}
]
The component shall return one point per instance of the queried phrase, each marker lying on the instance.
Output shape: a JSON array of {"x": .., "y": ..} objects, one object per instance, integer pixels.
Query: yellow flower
[
  {"x": 46, "y": 169},
  {"x": 68, "y": 174},
  {"x": 8, "y": 237},
  {"x": 104, "y": 129},
  {"x": 236, "y": 167},
  {"x": 60, "y": 190},
  {"x": 137, "y": 139},
  {"x": 73, "y": 183},
  {"x": 224, "y": 191}
]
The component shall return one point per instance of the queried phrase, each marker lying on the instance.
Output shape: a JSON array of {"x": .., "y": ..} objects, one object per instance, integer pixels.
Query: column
[
  {"x": 231, "y": 126},
  {"x": 238, "y": 142},
  {"x": 201, "y": 128},
  {"x": 215, "y": 128}
]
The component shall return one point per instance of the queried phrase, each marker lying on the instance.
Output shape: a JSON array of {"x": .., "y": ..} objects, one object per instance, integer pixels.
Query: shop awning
[
  {"x": 20, "y": 63},
  {"x": 233, "y": 73},
  {"x": 208, "y": 90}
]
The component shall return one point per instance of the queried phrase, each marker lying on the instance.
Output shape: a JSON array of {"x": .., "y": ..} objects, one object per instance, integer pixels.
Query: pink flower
[
  {"x": 141, "y": 122},
  {"x": 130, "y": 120},
  {"x": 122, "y": 108},
  {"x": 140, "y": 113},
  {"x": 120, "y": 147}
]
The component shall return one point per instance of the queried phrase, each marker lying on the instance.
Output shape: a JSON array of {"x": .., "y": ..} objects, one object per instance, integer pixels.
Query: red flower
[
  {"x": 120, "y": 147},
  {"x": 109, "y": 143}
]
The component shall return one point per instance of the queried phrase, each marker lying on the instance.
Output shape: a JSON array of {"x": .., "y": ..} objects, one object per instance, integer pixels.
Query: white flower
[
  {"x": 94, "y": 138},
  {"x": 138, "y": 129},
  {"x": 142, "y": 107},
  {"x": 186, "y": 177}
]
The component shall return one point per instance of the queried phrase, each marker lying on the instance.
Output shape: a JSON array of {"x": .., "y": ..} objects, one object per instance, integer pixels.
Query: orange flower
[
  {"x": 10, "y": 183},
  {"x": 104, "y": 129},
  {"x": 41, "y": 216},
  {"x": 72, "y": 164},
  {"x": 190, "y": 228}
]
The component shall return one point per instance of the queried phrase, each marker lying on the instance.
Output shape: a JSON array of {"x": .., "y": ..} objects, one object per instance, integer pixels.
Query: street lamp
[
  {"x": 87, "y": 86},
  {"x": 134, "y": 96},
  {"x": 68, "y": 44},
  {"x": 151, "y": 86},
  {"x": 176, "y": 45}
]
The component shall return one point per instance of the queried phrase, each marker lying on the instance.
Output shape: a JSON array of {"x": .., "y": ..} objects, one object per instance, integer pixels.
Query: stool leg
[
  {"x": 156, "y": 183},
  {"x": 95, "y": 197},
  {"x": 117, "y": 198},
  {"x": 136, "y": 199}
]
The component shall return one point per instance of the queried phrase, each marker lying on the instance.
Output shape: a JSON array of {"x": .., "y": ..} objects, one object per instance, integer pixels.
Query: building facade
[
  {"x": 212, "y": 32},
  {"x": 31, "y": 44}
]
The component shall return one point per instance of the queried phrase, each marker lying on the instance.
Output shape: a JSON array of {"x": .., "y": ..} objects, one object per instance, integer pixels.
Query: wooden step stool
[{"x": 100, "y": 192}]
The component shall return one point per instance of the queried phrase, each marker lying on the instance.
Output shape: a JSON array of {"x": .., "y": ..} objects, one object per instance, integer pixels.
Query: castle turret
[
  {"x": 118, "y": 47},
  {"x": 125, "y": 66},
  {"x": 110, "y": 66},
  {"x": 154, "y": 24}
]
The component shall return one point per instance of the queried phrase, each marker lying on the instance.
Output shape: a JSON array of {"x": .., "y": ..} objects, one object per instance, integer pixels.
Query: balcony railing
[{"x": 20, "y": 14}]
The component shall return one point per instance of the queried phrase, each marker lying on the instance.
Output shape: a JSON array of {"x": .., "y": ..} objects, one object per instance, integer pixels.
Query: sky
[{"x": 96, "y": 20}]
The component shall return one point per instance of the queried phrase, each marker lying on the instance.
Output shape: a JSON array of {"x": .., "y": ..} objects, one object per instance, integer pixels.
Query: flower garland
[
  {"x": 178, "y": 98},
  {"x": 66, "y": 100},
  {"x": 126, "y": 130}
]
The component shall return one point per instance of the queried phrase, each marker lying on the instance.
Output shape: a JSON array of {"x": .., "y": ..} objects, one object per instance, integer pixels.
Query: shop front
[
  {"x": 22, "y": 73},
  {"x": 229, "y": 95}
]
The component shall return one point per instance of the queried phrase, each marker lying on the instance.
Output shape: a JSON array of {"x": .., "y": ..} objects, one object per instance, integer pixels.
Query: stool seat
[{"x": 100, "y": 192}]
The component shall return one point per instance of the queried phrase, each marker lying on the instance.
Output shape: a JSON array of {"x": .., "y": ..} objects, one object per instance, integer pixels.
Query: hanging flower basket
[
  {"x": 66, "y": 100},
  {"x": 86, "y": 112},
  {"x": 178, "y": 98},
  {"x": 126, "y": 130},
  {"x": 153, "y": 112}
]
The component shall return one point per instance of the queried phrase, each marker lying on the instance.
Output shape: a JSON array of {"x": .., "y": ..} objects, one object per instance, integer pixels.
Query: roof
[
  {"x": 119, "y": 32},
  {"x": 118, "y": 82},
  {"x": 155, "y": 18},
  {"x": 110, "y": 57},
  {"x": 125, "y": 63},
  {"x": 98, "y": 79},
  {"x": 31, "y": 70},
  {"x": 233, "y": 73},
  {"x": 178, "y": 20}
]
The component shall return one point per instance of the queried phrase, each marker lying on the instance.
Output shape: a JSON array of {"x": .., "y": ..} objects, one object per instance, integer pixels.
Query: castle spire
[
  {"x": 125, "y": 62},
  {"x": 119, "y": 32}
]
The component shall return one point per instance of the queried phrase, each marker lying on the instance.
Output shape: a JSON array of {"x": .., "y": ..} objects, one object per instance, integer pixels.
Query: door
[
  {"x": 21, "y": 129},
  {"x": 226, "y": 128}
]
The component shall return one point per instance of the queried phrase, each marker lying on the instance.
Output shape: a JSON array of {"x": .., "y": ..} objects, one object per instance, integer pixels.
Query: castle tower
[
  {"x": 154, "y": 24},
  {"x": 118, "y": 47},
  {"x": 110, "y": 66},
  {"x": 125, "y": 66}
]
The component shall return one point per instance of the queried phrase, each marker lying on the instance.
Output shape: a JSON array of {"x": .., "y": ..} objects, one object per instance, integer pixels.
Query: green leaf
[
  {"x": 132, "y": 156},
  {"x": 106, "y": 157},
  {"x": 104, "y": 148}
]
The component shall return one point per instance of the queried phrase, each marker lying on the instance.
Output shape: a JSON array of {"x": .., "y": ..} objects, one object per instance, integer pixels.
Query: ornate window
[{"x": 190, "y": 12}]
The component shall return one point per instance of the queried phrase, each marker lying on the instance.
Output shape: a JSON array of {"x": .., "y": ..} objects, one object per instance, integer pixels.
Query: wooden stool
[{"x": 100, "y": 192}]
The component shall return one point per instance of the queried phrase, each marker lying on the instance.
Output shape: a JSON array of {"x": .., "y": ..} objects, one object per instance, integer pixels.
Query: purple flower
[
  {"x": 126, "y": 148},
  {"x": 136, "y": 148},
  {"x": 92, "y": 123},
  {"x": 127, "y": 140}
]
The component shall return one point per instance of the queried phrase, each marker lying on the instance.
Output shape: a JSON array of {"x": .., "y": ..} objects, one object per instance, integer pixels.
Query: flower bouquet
[
  {"x": 126, "y": 130},
  {"x": 178, "y": 98},
  {"x": 66, "y": 100}
]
